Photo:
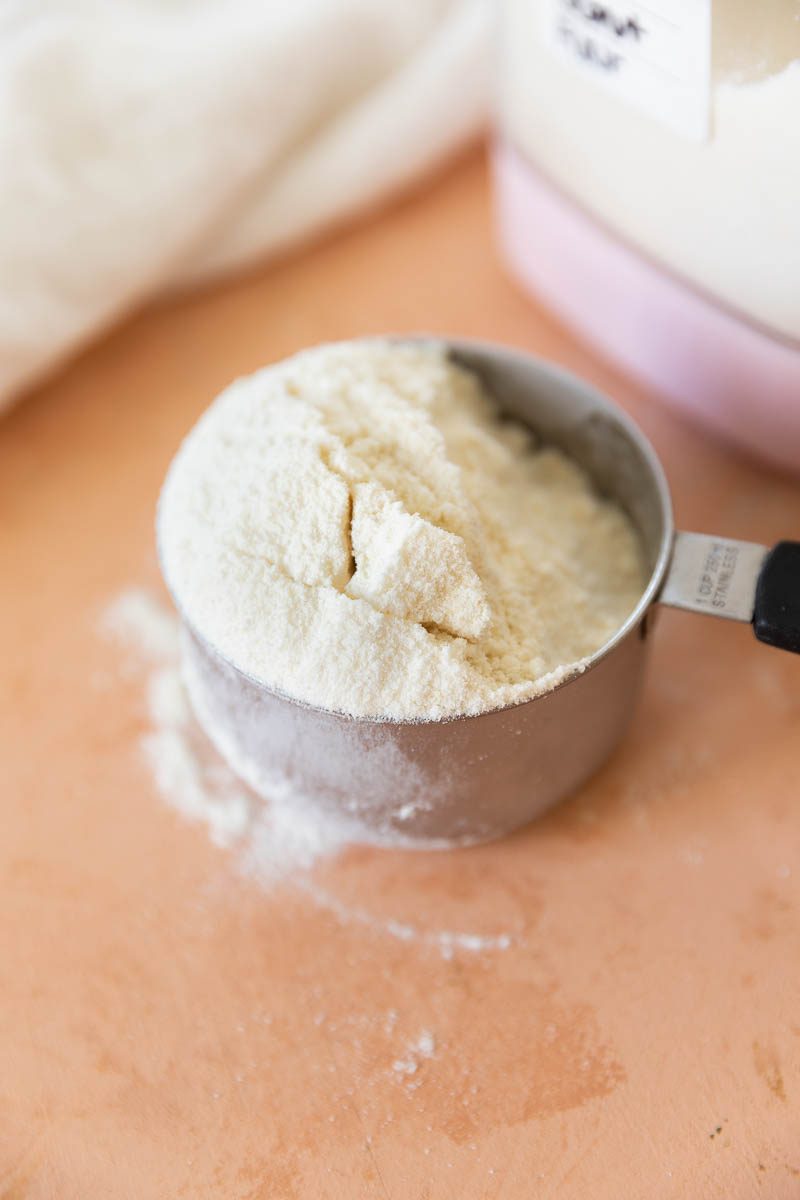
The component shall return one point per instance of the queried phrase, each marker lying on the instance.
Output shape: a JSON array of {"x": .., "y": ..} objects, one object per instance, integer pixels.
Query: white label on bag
[{"x": 655, "y": 56}]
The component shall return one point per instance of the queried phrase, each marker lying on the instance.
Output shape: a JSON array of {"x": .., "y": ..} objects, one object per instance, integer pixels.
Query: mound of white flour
[{"x": 357, "y": 528}]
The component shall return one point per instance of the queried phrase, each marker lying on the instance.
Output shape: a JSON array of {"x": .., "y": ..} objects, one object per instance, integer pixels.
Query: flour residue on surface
[
  {"x": 138, "y": 621},
  {"x": 419, "y": 1050},
  {"x": 272, "y": 841},
  {"x": 446, "y": 941}
]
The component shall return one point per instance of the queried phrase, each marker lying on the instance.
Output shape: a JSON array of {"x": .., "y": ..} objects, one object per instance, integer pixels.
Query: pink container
[{"x": 735, "y": 379}]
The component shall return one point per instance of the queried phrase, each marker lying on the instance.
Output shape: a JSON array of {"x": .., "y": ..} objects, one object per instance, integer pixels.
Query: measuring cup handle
[
  {"x": 776, "y": 616},
  {"x": 738, "y": 580}
]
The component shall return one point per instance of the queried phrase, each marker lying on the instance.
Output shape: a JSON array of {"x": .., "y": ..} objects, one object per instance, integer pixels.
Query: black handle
[{"x": 776, "y": 619}]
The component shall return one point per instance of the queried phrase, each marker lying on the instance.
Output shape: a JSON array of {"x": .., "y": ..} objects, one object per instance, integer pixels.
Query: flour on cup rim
[{"x": 358, "y": 528}]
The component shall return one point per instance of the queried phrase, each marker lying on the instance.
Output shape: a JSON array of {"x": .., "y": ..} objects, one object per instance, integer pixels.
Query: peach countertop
[{"x": 169, "y": 1027}]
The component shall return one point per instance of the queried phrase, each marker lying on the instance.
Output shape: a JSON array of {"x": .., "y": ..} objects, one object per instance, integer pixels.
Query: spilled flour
[
  {"x": 272, "y": 841},
  {"x": 422, "y": 1048},
  {"x": 274, "y": 838}
]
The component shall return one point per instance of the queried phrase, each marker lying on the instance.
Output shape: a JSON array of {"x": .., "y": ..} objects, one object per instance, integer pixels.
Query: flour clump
[{"x": 357, "y": 528}]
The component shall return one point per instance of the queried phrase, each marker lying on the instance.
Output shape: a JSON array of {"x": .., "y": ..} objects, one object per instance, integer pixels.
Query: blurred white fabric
[{"x": 145, "y": 144}]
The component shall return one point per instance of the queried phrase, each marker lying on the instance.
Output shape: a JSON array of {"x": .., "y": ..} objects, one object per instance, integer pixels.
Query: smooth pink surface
[{"x": 732, "y": 377}]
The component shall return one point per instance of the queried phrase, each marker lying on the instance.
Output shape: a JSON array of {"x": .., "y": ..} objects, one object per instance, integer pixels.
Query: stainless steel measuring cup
[{"x": 473, "y": 778}]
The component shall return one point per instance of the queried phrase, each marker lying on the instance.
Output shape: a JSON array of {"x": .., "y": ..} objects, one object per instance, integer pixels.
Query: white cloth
[{"x": 146, "y": 144}]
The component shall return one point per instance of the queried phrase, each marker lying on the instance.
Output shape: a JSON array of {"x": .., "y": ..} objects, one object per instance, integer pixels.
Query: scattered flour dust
[
  {"x": 424, "y": 1047},
  {"x": 272, "y": 840}
]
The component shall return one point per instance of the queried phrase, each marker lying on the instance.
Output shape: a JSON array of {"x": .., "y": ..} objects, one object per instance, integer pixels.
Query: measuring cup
[{"x": 468, "y": 779}]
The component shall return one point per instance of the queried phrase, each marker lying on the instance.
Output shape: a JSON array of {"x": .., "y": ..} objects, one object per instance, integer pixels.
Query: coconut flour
[{"x": 357, "y": 528}]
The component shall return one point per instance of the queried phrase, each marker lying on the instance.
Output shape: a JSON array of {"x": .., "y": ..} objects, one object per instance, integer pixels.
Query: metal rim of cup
[{"x": 461, "y": 349}]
